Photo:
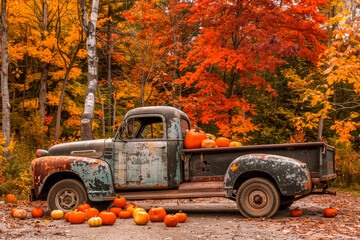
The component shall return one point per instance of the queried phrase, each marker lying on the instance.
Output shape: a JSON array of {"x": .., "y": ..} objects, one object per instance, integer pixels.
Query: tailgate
[{"x": 327, "y": 163}]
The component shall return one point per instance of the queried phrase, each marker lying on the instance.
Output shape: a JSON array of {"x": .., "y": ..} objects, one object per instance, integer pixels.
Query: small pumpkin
[
  {"x": 12, "y": 211},
  {"x": 125, "y": 214},
  {"x": 82, "y": 207},
  {"x": 120, "y": 202},
  {"x": 171, "y": 220},
  {"x": 208, "y": 143},
  {"x": 181, "y": 216},
  {"x": 77, "y": 217},
  {"x": 95, "y": 222},
  {"x": 141, "y": 218},
  {"x": 116, "y": 210},
  {"x": 10, "y": 198},
  {"x": 157, "y": 214},
  {"x": 57, "y": 214},
  {"x": 67, "y": 215},
  {"x": 37, "y": 213},
  {"x": 129, "y": 205},
  {"x": 108, "y": 218},
  {"x": 235, "y": 144},
  {"x": 330, "y": 212},
  {"x": 296, "y": 212},
  {"x": 138, "y": 209},
  {"x": 194, "y": 137},
  {"x": 222, "y": 142},
  {"x": 210, "y": 136},
  {"x": 91, "y": 212},
  {"x": 20, "y": 213}
]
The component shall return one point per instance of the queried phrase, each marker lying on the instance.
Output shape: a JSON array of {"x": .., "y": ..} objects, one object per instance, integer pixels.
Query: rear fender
[
  {"x": 95, "y": 174},
  {"x": 292, "y": 177}
]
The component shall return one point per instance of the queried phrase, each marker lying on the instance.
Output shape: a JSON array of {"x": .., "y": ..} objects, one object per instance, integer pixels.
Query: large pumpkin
[
  {"x": 77, "y": 217},
  {"x": 194, "y": 138},
  {"x": 222, "y": 142},
  {"x": 120, "y": 202},
  {"x": 10, "y": 198},
  {"x": 20, "y": 214},
  {"x": 37, "y": 212},
  {"x": 157, "y": 214},
  {"x": 141, "y": 218},
  {"x": 108, "y": 218}
]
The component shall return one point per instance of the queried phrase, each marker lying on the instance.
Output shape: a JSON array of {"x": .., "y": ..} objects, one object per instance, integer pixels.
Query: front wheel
[
  {"x": 66, "y": 195},
  {"x": 258, "y": 197}
]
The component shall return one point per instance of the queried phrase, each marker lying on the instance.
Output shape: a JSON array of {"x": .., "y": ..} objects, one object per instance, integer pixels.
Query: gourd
[
  {"x": 57, "y": 214},
  {"x": 95, "y": 222}
]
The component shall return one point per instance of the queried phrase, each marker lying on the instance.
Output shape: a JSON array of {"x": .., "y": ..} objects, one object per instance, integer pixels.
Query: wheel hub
[
  {"x": 258, "y": 199},
  {"x": 66, "y": 199}
]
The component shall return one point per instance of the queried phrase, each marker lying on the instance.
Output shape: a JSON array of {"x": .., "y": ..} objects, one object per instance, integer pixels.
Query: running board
[{"x": 185, "y": 190}]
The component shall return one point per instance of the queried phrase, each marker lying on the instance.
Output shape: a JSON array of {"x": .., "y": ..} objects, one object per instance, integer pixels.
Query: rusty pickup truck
[{"x": 146, "y": 159}]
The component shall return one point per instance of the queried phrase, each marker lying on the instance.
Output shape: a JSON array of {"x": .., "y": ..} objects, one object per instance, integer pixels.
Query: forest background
[{"x": 258, "y": 72}]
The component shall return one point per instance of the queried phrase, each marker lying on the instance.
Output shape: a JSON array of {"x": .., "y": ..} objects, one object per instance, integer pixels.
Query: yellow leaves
[{"x": 344, "y": 129}]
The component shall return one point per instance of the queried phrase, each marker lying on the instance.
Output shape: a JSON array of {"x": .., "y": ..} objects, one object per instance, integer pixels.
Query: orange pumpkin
[
  {"x": 12, "y": 211},
  {"x": 116, "y": 210},
  {"x": 131, "y": 210},
  {"x": 330, "y": 212},
  {"x": 37, "y": 212},
  {"x": 10, "y": 198},
  {"x": 210, "y": 136},
  {"x": 296, "y": 212},
  {"x": 77, "y": 217},
  {"x": 67, "y": 215},
  {"x": 125, "y": 214},
  {"x": 83, "y": 207},
  {"x": 108, "y": 218},
  {"x": 194, "y": 137},
  {"x": 138, "y": 209},
  {"x": 129, "y": 205},
  {"x": 208, "y": 143},
  {"x": 157, "y": 214},
  {"x": 57, "y": 214},
  {"x": 91, "y": 212},
  {"x": 171, "y": 220},
  {"x": 181, "y": 216},
  {"x": 141, "y": 218},
  {"x": 120, "y": 202},
  {"x": 222, "y": 142},
  {"x": 20, "y": 214},
  {"x": 235, "y": 144}
]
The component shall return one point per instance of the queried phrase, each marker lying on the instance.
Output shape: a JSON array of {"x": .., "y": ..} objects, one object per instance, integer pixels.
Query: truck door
[{"x": 141, "y": 152}]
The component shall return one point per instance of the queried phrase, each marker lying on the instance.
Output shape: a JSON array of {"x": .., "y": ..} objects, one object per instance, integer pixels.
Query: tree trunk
[
  {"x": 4, "y": 81},
  {"x": 90, "y": 94}
]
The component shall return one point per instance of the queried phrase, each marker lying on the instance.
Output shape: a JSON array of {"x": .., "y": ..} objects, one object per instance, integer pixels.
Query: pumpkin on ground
[
  {"x": 222, "y": 142},
  {"x": 12, "y": 211},
  {"x": 138, "y": 209},
  {"x": 208, "y": 143},
  {"x": 95, "y": 222},
  {"x": 129, "y": 205},
  {"x": 77, "y": 217},
  {"x": 20, "y": 214},
  {"x": 193, "y": 138},
  {"x": 181, "y": 216},
  {"x": 67, "y": 215},
  {"x": 141, "y": 218},
  {"x": 57, "y": 214},
  {"x": 116, "y": 210},
  {"x": 108, "y": 218},
  {"x": 171, "y": 220},
  {"x": 120, "y": 202},
  {"x": 235, "y": 144},
  {"x": 125, "y": 214},
  {"x": 37, "y": 213},
  {"x": 157, "y": 214},
  {"x": 296, "y": 212},
  {"x": 330, "y": 212},
  {"x": 82, "y": 207},
  {"x": 10, "y": 198},
  {"x": 91, "y": 212}
]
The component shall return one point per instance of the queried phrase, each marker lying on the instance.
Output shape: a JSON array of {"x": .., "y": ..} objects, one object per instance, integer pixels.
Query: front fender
[
  {"x": 95, "y": 174},
  {"x": 291, "y": 176}
]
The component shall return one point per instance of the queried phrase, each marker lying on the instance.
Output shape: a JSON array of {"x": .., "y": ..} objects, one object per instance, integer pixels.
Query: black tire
[
  {"x": 258, "y": 197},
  {"x": 289, "y": 199},
  {"x": 66, "y": 195}
]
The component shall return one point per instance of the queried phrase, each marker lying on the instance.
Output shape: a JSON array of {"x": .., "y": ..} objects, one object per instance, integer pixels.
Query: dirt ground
[{"x": 213, "y": 218}]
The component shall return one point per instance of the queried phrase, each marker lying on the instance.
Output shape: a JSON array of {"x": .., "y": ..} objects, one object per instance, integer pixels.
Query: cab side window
[{"x": 143, "y": 128}]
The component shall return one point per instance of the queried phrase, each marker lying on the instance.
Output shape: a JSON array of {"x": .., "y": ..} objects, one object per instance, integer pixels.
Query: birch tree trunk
[
  {"x": 90, "y": 94},
  {"x": 4, "y": 81}
]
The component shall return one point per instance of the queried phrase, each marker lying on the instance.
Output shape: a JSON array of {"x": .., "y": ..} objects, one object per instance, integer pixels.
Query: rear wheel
[
  {"x": 258, "y": 197},
  {"x": 66, "y": 195}
]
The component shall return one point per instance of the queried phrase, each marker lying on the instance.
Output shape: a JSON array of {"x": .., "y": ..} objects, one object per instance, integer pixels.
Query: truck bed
[{"x": 210, "y": 164}]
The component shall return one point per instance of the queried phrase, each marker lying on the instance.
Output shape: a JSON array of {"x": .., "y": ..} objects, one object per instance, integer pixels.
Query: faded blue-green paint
[{"x": 292, "y": 176}]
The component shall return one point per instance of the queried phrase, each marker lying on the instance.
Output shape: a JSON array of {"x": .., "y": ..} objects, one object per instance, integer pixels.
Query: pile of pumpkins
[
  {"x": 195, "y": 138},
  {"x": 121, "y": 209}
]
